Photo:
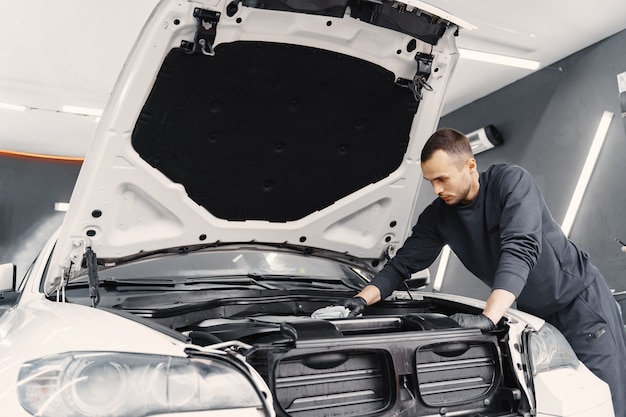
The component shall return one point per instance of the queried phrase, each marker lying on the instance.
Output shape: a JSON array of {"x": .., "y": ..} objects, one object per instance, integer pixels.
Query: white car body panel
[
  {"x": 40, "y": 328},
  {"x": 573, "y": 385}
]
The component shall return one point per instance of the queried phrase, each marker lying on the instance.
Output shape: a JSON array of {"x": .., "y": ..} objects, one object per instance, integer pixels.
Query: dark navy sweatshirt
[{"x": 506, "y": 237}]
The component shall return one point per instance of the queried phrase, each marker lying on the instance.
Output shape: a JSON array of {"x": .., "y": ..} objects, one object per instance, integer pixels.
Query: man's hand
[
  {"x": 356, "y": 305},
  {"x": 479, "y": 321}
]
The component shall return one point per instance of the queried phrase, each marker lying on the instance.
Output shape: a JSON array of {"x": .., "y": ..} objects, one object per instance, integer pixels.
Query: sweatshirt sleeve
[
  {"x": 418, "y": 252},
  {"x": 520, "y": 229}
]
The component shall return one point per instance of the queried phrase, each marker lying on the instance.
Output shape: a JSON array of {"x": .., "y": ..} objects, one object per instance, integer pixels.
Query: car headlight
[
  {"x": 128, "y": 384},
  {"x": 550, "y": 350}
]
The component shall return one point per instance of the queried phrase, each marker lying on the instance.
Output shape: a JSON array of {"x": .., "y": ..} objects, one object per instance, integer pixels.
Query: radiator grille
[
  {"x": 359, "y": 385},
  {"x": 445, "y": 379}
]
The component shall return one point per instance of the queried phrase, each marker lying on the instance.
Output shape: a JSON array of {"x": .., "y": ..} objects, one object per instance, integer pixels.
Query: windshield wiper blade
[
  {"x": 141, "y": 282},
  {"x": 110, "y": 283},
  {"x": 313, "y": 281},
  {"x": 229, "y": 280},
  {"x": 114, "y": 282},
  {"x": 261, "y": 281}
]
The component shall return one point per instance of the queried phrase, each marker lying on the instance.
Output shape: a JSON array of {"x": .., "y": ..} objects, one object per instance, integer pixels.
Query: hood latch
[{"x": 206, "y": 31}]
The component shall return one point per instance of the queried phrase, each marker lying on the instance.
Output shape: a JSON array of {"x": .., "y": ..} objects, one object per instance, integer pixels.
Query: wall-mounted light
[
  {"x": 621, "y": 88},
  {"x": 58, "y": 206},
  {"x": 441, "y": 269},
  {"x": 585, "y": 174},
  {"x": 499, "y": 59},
  {"x": 484, "y": 139}
]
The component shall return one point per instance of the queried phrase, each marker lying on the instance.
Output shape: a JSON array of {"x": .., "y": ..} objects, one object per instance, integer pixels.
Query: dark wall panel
[
  {"x": 548, "y": 121},
  {"x": 30, "y": 187}
]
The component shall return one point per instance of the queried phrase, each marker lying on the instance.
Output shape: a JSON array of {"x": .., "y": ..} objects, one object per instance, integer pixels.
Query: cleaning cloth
[{"x": 331, "y": 312}]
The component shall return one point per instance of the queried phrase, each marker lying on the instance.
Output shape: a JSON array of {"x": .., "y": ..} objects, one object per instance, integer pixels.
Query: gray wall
[
  {"x": 548, "y": 121},
  {"x": 29, "y": 188}
]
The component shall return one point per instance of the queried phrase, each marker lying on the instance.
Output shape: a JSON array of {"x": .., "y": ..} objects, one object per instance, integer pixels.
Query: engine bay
[
  {"x": 403, "y": 356},
  {"x": 417, "y": 363}
]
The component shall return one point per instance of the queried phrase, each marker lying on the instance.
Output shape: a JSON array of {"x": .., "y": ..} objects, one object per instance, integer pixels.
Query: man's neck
[{"x": 474, "y": 188}]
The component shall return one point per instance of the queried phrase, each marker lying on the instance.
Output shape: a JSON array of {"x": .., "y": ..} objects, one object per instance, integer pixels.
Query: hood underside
[
  {"x": 294, "y": 122},
  {"x": 274, "y": 132}
]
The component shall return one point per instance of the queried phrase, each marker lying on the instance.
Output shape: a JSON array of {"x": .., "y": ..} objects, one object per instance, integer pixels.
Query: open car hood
[{"x": 281, "y": 121}]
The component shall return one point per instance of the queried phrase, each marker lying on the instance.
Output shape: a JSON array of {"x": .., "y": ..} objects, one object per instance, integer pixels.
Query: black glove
[
  {"x": 479, "y": 321},
  {"x": 356, "y": 305}
]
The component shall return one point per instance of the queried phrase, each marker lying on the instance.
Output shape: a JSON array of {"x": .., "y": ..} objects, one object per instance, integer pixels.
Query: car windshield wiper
[
  {"x": 214, "y": 281},
  {"x": 263, "y": 280},
  {"x": 312, "y": 281},
  {"x": 184, "y": 250},
  {"x": 229, "y": 280},
  {"x": 113, "y": 282},
  {"x": 260, "y": 280},
  {"x": 242, "y": 283},
  {"x": 140, "y": 282}
]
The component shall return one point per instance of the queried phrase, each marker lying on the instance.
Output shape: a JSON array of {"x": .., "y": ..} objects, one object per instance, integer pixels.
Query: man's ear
[{"x": 471, "y": 164}]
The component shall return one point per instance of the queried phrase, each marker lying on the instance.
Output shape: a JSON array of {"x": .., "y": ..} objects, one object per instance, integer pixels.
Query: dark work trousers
[{"x": 594, "y": 328}]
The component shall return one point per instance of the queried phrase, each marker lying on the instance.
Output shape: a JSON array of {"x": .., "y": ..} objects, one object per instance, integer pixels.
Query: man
[{"x": 499, "y": 226}]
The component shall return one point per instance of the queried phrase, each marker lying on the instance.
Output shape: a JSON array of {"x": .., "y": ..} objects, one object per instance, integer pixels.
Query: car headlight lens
[
  {"x": 127, "y": 384},
  {"x": 550, "y": 350}
]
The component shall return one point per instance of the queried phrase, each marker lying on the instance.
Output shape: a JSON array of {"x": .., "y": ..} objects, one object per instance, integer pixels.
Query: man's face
[{"x": 453, "y": 184}]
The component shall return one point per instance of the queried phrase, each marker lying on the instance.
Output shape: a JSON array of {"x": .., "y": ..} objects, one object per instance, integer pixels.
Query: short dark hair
[{"x": 452, "y": 142}]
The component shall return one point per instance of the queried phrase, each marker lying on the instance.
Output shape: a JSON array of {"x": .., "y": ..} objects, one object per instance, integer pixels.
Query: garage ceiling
[{"x": 69, "y": 52}]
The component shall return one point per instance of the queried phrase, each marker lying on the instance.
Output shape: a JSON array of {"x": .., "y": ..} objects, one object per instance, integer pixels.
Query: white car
[{"x": 257, "y": 162}]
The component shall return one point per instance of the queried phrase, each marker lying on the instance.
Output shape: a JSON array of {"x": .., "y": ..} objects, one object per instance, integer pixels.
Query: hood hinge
[
  {"x": 206, "y": 31},
  {"x": 70, "y": 266},
  {"x": 74, "y": 262},
  {"x": 92, "y": 273}
]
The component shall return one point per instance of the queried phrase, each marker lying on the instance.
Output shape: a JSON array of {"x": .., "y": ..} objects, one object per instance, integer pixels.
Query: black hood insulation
[{"x": 269, "y": 131}]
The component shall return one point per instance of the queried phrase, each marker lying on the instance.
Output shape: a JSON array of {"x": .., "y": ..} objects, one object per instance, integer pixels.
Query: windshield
[{"x": 222, "y": 265}]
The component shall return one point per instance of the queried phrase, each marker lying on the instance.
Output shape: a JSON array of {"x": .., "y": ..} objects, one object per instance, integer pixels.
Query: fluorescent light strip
[
  {"x": 81, "y": 111},
  {"x": 585, "y": 174},
  {"x": 87, "y": 111},
  {"x": 441, "y": 270},
  {"x": 14, "y": 107},
  {"x": 61, "y": 206},
  {"x": 498, "y": 59}
]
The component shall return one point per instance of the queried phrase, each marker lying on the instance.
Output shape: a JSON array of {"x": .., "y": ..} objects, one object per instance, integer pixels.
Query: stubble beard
[{"x": 461, "y": 199}]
